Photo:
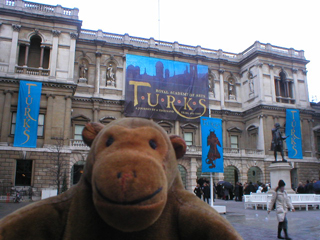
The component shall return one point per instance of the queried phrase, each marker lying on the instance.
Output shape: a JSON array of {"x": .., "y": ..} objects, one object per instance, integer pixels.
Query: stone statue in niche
[
  {"x": 111, "y": 81},
  {"x": 231, "y": 90},
  {"x": 83, "y": 72},
  {"x": 251, "y": 83},
  {"x": 211, "y": 84}
]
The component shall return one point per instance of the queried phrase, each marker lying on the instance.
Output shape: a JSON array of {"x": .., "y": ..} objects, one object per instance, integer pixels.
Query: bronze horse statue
[{"x": 213, "y": 153}]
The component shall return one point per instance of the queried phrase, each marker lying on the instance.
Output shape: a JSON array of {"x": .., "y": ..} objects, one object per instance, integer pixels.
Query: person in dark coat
[
  {"x": 206, "y": 192},
  {"x": 249, "y": 189},
  {"x": 300, "y": 189},
  {"x": 240, "y": 192},
  {"x": 197, "y": 190},
  {"x": 219, "y": 191},
  {"x": 236, "y": 191}
]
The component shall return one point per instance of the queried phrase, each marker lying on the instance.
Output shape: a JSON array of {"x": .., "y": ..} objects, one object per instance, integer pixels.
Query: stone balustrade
[
  {"x": 151, "y": 43},
  {"x": 44, "y": 9},
  {"x": 33, "y": 71},
  {"x": 191, "y": 150},
  {"x": 78, "y": 144}
]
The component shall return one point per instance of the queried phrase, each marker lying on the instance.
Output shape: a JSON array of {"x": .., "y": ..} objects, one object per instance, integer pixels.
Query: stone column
[
  {"x": 313, "y": 147},
  {"x": 26, "y": 55},
  {"x": 41, "y": 56},
  {"x": 54, "y": 53},
  {"x": 14, "y": 48},
  {"x": 306, "y": 84},
  {"x": 48, "y": 123},
  {"x": 221, "y": 71},
  {"x": 224, "y": 132},
  {"x": 260, "y": 75},
  {"x": 72, "y": 53},
  {"x": 96, "y": 109},
  {"x": 273, "y": 87},
  {"x": 124, "y": 74},
  {"x": 177, "y": 128},
  {"x": 97, "y": 82},
  {"x": 296, "y": 85},
  {"x": 260, "y": 144},
  {"x": 193, "y": 174},
  {"x": 67, "y": 121},
  {"x": 5, "y": 126}
]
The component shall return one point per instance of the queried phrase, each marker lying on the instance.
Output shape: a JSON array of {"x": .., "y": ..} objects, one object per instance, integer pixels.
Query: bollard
[{"x": 8, "y": 198}]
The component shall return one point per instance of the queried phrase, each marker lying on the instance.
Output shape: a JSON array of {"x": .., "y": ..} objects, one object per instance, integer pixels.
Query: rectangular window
[
  {"x": 78, "y": 132},
  {"x": 40, "y": 125},
  {"x": 188, "y": 137},
  {"x": 13, "y": 123},
  {"x": 23, "y": 173},
  {"x": 234, "y": 141},
  {"x": 40, "y": 130},
  {"x": 318, "y": 142}
]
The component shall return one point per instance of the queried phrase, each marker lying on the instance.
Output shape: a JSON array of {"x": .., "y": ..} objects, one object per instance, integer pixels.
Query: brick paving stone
[{"x": 250, "y": 223}]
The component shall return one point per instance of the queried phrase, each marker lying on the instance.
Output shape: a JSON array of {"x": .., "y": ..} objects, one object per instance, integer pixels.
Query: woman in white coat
[{"x": 282, "y": 201}]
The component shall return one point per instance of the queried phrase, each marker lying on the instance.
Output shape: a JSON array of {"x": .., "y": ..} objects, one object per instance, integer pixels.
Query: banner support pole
[{"x": 211, "y": 190}]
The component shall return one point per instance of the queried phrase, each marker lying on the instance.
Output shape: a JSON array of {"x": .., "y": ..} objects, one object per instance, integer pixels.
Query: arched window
[
  {"x": 34, "y": 55},
  {"x": 284, "y": 88},
  {"x": 183, "y": 173}
]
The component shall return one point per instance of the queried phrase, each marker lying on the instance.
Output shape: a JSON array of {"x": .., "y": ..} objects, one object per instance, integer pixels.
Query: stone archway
[
  {"x": 255, "y": 175},
  {"x": 231, "y": 174},
  {"x": 76, "y": 172},
  {"x": 183, "y": 174}
]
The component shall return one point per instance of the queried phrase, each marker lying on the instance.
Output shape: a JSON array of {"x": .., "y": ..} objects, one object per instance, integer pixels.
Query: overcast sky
[{"x": 230, "y": 25}]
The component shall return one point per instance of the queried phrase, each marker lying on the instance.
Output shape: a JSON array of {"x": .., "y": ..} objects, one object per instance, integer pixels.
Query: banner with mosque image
[
  {"x": 212, "y": 144},
  {"x": 165, "y": 89},
  {"x": 293, "y": 130}
]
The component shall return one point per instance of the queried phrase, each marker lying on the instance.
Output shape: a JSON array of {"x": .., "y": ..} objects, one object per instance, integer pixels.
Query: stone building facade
[{"x": 83, "y": 75}]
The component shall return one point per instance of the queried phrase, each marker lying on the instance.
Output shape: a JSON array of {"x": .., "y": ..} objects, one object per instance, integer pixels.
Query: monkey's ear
[
  {"x": 90, "y": 131},
  {"x": 179, "y": 145}
]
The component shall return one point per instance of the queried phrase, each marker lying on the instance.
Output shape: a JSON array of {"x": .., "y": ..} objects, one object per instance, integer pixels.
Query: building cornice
[
  {"x": 45, "y": 84},
  {"x": 99, "y": 100},
  {"x": 259, "y": 109}
]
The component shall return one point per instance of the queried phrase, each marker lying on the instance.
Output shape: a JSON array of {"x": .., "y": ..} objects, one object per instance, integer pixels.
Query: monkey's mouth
[{"x": 133, "y": 202}]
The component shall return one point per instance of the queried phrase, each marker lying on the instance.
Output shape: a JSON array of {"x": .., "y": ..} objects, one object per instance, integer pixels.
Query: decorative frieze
[
  {"x": 56, "y": 33},
  {"x": 16, "y": 27},
  {"x": 73, "y": 35},
  {"x": 98, "y": 54}
]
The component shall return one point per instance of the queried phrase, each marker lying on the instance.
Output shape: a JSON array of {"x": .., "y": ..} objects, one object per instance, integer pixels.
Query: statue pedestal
[{"x": 280, "y": 170}]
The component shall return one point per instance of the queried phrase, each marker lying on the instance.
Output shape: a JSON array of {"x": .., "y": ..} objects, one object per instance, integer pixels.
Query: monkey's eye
[
  {"x": 109, "y": 141},
  {"x": 153, "y": 144}
]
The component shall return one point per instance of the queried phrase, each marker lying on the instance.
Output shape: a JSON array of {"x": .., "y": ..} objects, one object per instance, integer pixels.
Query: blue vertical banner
[
  {"x": 212, "y": 144},
  {"x": 27, "y": 114},
  {"x": 293, "y": 130}
]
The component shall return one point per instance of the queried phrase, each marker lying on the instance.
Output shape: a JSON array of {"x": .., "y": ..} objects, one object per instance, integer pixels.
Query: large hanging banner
[
  {"x": 27, "y": 114},
  {"x": 212, "y": 144},
  {"x": 164, "y": 89},
  {"x": 293, "y": 130}
]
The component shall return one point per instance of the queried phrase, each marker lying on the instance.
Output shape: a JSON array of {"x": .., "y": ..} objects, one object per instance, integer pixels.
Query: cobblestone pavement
[
  {"x": 250, "y": 223},
  {"x": 257, "y": 224}
]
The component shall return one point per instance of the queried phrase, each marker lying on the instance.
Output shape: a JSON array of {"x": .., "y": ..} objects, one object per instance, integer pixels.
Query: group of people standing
[
  {"x": 202, "y": 190},
  {"x": 280, "y": 200},
  {"x": 307, "y": 188}
]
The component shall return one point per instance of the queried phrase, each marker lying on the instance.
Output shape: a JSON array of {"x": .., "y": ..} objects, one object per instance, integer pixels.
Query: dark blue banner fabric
[
  {"x": 212, "y": 144},
  {"x": 27, "y": 114},
  {"x": 293, "y": 130},
  {"x": 164, "y": 89}
]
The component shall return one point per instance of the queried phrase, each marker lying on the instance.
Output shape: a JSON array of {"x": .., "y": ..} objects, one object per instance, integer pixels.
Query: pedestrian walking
[
  {"x": 197, "y": 190},
  {"x": 282, "y": 203},
  {"x": 206, "y": 192}
]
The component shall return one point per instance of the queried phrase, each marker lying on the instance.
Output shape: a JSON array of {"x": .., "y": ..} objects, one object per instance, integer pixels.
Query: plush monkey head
[{"x": 131, "y": 167}]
